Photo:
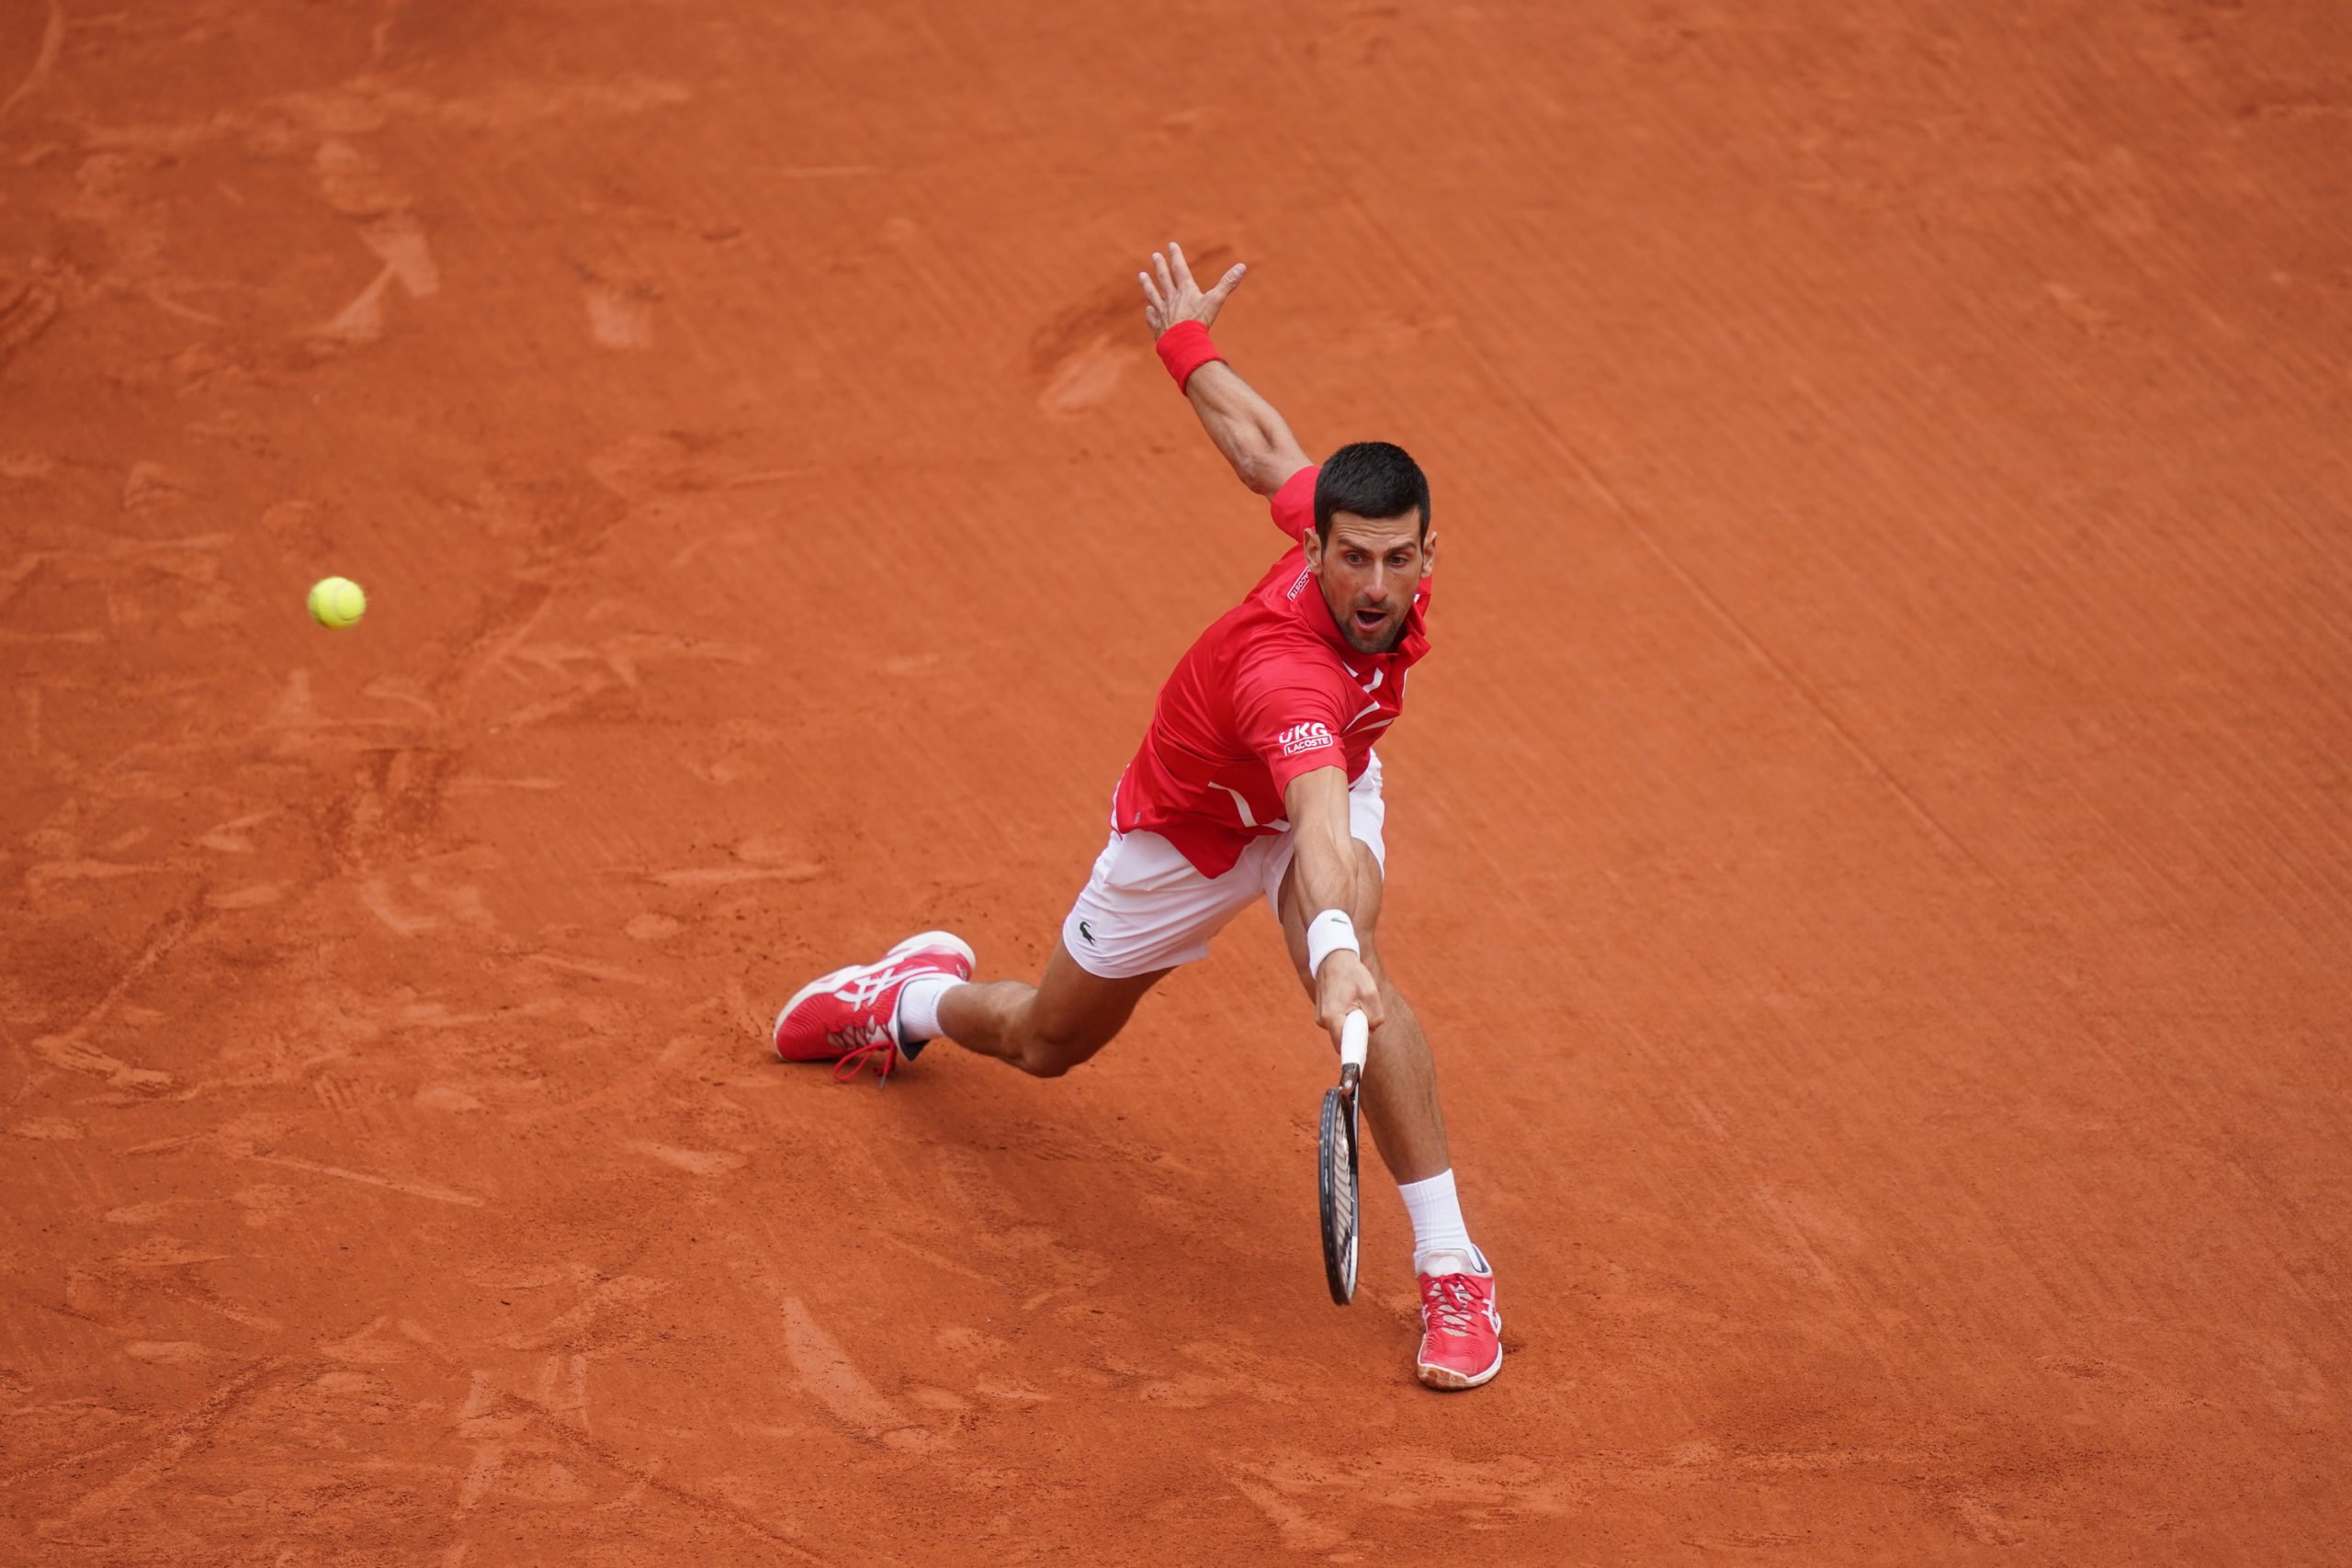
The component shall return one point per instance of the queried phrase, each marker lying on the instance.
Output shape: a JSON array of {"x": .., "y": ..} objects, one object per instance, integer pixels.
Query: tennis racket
[{"x": 1338, "y": 1162}]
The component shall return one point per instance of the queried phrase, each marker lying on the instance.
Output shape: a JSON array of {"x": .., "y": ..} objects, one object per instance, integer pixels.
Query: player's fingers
[
  {"x": 1167, "y": 284},
  {"x": 1338, "y": 1022},
  {"x": 1176, "y": 263},
  {"x": 1152, "y": 292},
  {"x": 1227, "y": 284}
]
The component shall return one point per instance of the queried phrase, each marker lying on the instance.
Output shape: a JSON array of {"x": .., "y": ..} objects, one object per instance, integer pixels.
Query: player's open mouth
[{"x": 1371, "y": 620}]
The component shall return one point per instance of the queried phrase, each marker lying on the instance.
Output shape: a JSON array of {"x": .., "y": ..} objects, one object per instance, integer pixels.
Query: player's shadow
[{"x": 1037, "y": 1184}]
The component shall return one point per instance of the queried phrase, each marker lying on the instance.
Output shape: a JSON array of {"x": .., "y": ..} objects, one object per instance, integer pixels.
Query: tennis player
[{"x": 1257, "y": 779}]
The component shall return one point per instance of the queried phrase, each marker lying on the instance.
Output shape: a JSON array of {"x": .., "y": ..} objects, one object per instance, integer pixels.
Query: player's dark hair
[{"x": 1371, "y": 479}]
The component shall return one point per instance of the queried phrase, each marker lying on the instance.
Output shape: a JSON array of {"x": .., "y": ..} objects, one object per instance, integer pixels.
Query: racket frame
[{"x": 1340, "y": 1189}]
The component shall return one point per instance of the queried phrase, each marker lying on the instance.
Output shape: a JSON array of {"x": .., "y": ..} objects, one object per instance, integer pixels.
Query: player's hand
[
  {"x": 1342, "y": 985},
  {"x": 1173, "y": 297}
]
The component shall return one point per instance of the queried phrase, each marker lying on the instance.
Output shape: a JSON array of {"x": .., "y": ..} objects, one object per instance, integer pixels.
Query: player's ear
[
  {"x": 1429, "y": 551},
  {"x": 1311, "y": 542}
]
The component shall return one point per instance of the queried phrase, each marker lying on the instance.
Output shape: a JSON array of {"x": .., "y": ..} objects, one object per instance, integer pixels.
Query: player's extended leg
[
  {"x": 1144, "y": 912},
  {"x": 1462, "y": 1332},
  {"x": 1046, "y": 1028},
  {"x": 879, "y": 1015}
]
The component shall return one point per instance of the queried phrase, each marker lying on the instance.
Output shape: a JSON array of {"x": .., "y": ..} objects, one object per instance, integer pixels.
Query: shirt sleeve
[
  {"x": 1291, "y": 720},
  {"x": 1294, "y": 504}
]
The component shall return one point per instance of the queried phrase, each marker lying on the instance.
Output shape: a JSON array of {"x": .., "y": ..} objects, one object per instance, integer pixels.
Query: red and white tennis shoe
[
  {"x": 850, "y": 1017},
  {"x": 1461, "y": 1334}
]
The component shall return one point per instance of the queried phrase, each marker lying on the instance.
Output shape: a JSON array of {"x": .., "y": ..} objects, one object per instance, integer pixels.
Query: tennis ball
[{"x": 337, "y": 601}]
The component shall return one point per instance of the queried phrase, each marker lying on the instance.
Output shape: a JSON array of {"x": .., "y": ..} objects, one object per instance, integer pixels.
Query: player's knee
[
  {"x": 1042, "y": 1060},
  {"x": 1051, "y": 1054}
]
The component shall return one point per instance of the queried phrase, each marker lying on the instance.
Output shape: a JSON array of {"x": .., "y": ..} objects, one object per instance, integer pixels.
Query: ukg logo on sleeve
[{"x": 1304, "y": 738}]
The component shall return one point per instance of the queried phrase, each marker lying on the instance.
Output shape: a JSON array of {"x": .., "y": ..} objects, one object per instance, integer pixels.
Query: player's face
[{"x": 1369, "y": 571}]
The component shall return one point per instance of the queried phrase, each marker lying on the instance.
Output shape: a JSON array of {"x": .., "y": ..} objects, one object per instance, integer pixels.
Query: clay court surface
[{"x": 1873, "y": 845}]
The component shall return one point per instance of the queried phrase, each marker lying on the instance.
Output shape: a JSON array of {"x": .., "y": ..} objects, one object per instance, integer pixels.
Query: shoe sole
[
  {"x": 915, "y": 943},
  {"x": 1445, "y": 1380}
]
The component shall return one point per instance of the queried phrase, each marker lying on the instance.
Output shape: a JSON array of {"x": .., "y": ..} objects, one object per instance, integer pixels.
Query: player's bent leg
[{"x": 1046, "y": 1028}]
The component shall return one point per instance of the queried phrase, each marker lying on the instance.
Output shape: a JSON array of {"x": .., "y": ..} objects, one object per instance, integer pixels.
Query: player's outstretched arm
[
  {"x": 1316, "y": 802},
  {"x": 1244, "y": 426}
]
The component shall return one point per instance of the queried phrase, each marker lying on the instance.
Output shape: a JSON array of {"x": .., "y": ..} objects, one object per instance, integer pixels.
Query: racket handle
[{"x": 1355, "y": 1040}]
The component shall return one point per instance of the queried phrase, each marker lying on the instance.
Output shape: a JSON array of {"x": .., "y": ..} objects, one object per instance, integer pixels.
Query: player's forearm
[
  {"x": 1326, "y": 867},
  {"x": 1325, "y": 856},
  {"x": 1244, "y": 427}
]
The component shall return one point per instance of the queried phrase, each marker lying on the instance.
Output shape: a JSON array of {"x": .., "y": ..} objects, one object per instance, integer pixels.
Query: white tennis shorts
[{"x": 1145, "y": 907}]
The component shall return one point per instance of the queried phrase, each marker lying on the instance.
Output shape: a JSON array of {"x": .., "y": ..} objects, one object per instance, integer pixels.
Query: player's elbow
[
  {"x": 1254, "y": 461},
  {"x": 1264, "y": 456},
  {"x": 1258, "y": 473},
  {"x": 1266, "y": 467},
  {"x": 1279, "y": 457}
]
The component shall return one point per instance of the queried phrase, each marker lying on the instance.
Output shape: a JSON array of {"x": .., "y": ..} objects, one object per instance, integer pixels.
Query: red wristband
[{"x": 1184, "y": 348}]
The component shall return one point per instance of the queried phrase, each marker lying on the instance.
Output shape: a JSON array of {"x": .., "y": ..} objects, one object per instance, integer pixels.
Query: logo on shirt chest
[{"x": 1304, "y": 738}]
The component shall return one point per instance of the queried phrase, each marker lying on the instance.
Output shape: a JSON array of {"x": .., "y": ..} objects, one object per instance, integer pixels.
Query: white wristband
[{"x": 1327, "y": 934}]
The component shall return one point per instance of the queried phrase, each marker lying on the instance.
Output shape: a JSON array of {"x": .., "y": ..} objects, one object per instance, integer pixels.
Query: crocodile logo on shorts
[{"x": 1086, "y": 933}]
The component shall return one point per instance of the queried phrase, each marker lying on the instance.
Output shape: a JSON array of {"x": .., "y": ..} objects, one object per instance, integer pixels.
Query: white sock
[
  {"x": 919, "y": 1006},
  {"x": 1437, "y": 1220}
]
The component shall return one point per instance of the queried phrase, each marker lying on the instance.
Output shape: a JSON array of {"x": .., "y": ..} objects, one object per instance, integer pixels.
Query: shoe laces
[
  {"x": 864, "y": 1045},
  {"x": 868, "y": 1040},
  {"x": 1450, "y": 1305}
]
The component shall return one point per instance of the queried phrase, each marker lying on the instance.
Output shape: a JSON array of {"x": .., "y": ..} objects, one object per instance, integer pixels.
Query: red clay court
[{"x": 1873, "y": 845}]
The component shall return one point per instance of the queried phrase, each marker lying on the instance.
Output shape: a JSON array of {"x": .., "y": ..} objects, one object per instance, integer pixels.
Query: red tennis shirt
[{"x": 1271, "y": 691}]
